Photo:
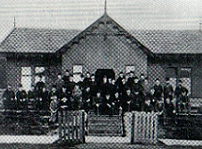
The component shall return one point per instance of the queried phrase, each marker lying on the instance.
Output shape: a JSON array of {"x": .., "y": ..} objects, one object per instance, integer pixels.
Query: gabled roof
[
  {"x": 171, "y": 41},
  {"x": 106, "y": 26},
  {"x": 27, "y": 40}
]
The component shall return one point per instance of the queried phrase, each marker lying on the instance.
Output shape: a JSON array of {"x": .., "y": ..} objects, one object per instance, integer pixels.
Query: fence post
[
  {"x": 155, "y": 128},
  {"x": 132, "y": 128},
  {"x": 83, "y": 127},
  {"x": 60, "y": 124}
]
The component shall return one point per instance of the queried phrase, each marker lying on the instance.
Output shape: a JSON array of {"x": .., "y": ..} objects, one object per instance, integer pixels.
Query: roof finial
[
  {"x": 14, "y": 22},
  {"x": 105, "y": 6}
]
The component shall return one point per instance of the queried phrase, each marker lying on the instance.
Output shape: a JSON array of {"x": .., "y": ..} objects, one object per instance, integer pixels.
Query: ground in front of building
[{"x": 92, "y": 146}]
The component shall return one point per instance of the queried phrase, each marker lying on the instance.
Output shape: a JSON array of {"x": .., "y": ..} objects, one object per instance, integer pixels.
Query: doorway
[{"x": 100, "y": 73}]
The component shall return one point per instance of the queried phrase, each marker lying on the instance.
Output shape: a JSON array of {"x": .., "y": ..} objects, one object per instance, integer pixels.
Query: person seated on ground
[
  {"x": 31, "y": 96},
  {"x": 21, "y": 97},
  {"x": 107, "y": 105},
  {"x": 97, "y": 101},
  {"x": 9, "y": 98},
  {"x": 148, "y": 107},
  {"x": 158, "y": 90},
  {"x": 63, "y": 97},
  {"x": 77, "y": 96}
]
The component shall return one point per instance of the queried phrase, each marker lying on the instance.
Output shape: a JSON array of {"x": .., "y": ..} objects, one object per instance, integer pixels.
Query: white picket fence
[
  {"x": 71, "y": 126},
  {"x": 142, "y": 127}
]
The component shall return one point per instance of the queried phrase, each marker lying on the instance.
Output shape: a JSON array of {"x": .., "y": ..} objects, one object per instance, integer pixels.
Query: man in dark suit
[
  {"x": 21, "y": 96},
  {"x": 9, "y": 98},
  {"x": 158, "y": 90}
]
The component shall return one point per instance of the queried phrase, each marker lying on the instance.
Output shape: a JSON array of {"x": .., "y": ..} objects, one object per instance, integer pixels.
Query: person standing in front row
[
  {"x": 9, "y": 98},
  {"x": 158, "y": 90},
  {"x": 21, "y": 96}
]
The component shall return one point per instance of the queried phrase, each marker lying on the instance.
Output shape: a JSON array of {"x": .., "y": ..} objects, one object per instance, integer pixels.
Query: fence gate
[
  {"x": 144, "y": 127},
  {"x": 71, "y": 126}
]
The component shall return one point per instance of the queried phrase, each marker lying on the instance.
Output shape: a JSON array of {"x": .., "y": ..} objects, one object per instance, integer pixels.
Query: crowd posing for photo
[{"x": 108, "y": 97}]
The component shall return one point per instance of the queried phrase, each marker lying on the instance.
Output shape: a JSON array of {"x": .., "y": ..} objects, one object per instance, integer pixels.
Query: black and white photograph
[{"x": 93, "y": 74}]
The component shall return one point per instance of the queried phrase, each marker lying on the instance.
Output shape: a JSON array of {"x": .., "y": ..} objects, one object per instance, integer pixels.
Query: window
[
  {"x": 130, "y": 68},
  {"x": 39, "y": 71},
  {"x": 77, "y": 70},
  {"x": 26, "y": 78},
  {"x": 185, "y": 76}
]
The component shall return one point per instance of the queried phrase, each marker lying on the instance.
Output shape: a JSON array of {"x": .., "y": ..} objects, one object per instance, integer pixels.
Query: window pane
[
  {"x": 26, "y": 71},
  {"x": 130, "y": 68},
  {"x": 26, "y": 82},
  {"x": 39, "y": 69},
  {"x": 77, "y": 69}
]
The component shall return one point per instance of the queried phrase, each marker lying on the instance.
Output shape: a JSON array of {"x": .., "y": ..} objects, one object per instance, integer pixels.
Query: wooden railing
[
  {"x": 23, "y": 122},
  {"x": 71, "y": 126}
]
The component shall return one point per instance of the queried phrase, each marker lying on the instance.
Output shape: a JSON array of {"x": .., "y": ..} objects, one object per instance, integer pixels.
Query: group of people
[{"x": 127, "y": 93}]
